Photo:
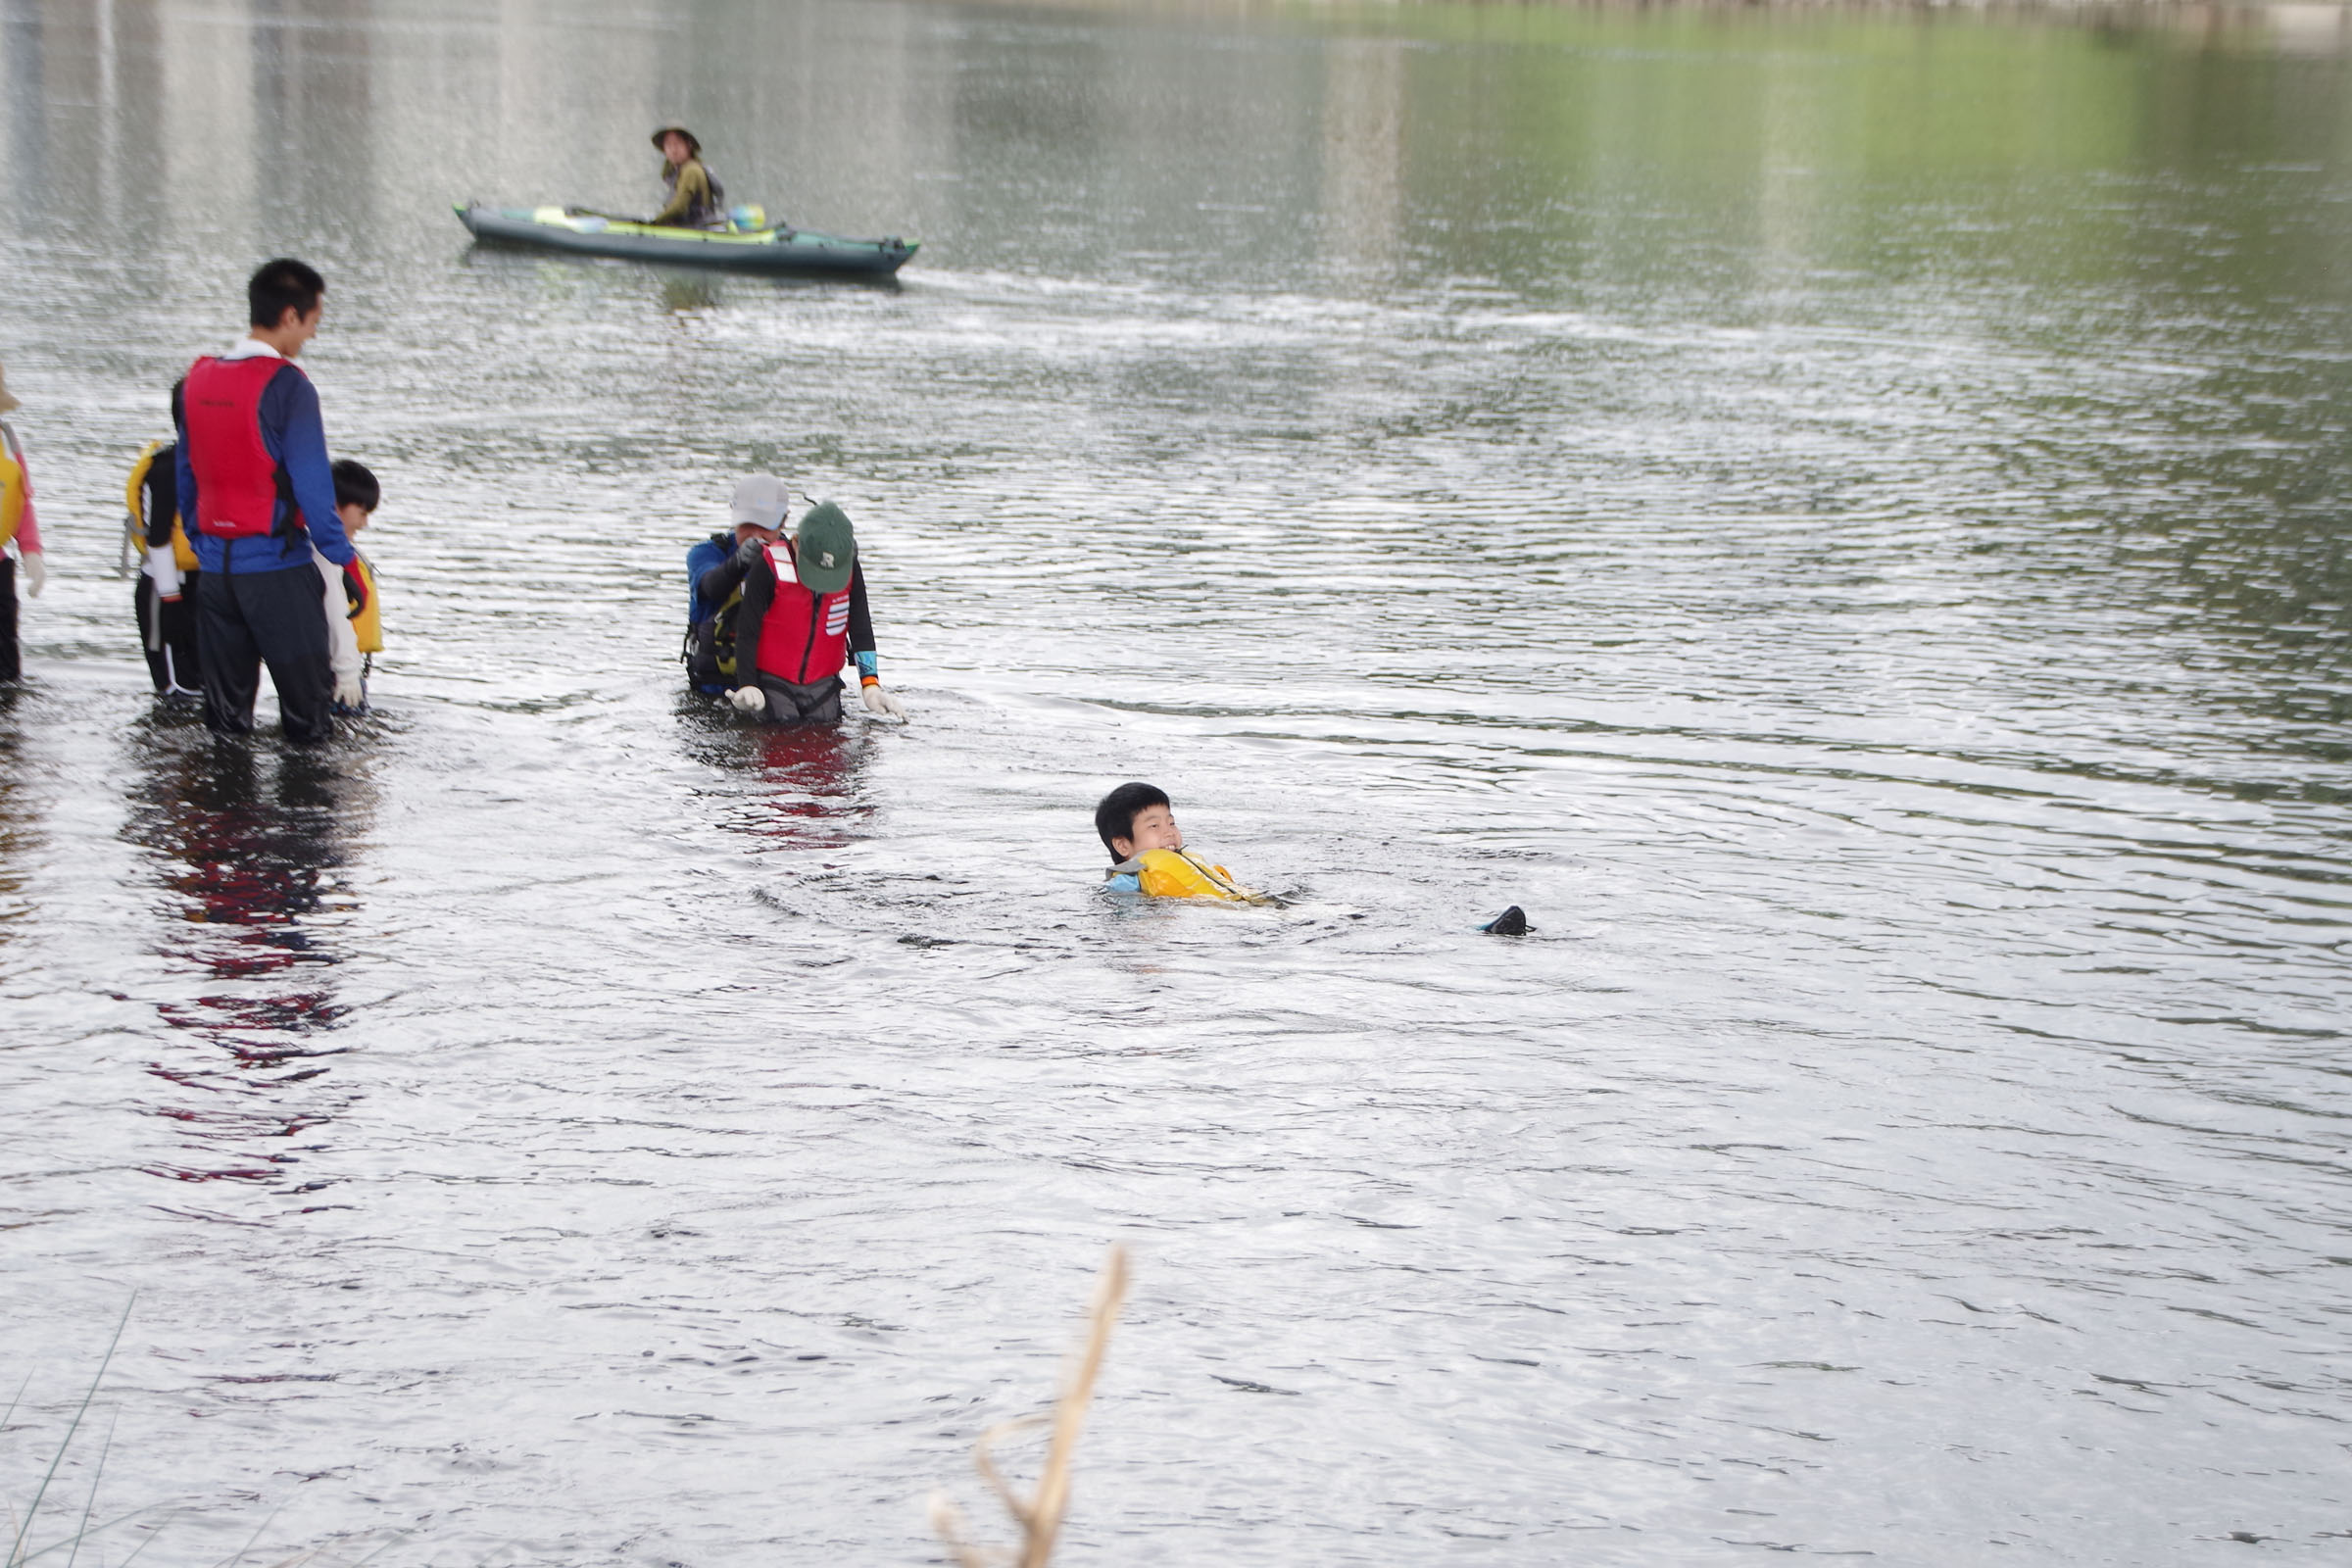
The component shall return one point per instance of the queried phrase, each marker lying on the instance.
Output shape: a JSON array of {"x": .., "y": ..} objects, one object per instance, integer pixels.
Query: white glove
[
  {"x": 749, "y": 700},
  {"x": 349, "y": 692},
  {"x": 878, "y": 701},
  {"x": 163, "y": 567},
  {"x": 35, "y": 573}
]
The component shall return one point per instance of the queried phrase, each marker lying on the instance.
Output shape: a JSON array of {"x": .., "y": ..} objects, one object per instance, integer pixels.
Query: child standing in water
[
  {"x": 354, "y": 626},
  {"x": 20, "y": 533},
  {"x": 164, "y": 597}
]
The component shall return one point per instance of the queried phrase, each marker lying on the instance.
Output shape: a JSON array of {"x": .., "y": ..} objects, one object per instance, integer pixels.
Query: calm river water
[{"x": 1841, "y": 514}]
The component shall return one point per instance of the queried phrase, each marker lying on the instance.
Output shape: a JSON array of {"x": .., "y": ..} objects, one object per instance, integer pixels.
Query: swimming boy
[
  {"x": 355, "y": 624},
  {"x": 1138, "y": 826}
]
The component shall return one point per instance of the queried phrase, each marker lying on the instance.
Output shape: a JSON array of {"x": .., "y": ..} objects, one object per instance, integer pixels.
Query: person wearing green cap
[{"x": 804, "y": 616}]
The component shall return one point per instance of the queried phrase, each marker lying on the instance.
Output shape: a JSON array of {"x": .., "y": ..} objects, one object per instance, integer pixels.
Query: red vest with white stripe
[
  {"x": 806, "y": 636},
  {"x": 237, "y": 482}
]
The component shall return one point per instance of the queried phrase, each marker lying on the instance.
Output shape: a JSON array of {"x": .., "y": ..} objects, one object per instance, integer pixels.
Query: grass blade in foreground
[{"x": 1040, "y": 1516}]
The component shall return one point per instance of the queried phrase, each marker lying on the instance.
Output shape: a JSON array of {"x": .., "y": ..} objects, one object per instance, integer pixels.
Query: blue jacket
[
  {"x": 296, "y": 439},
  {"x": 714, "y": 551}
]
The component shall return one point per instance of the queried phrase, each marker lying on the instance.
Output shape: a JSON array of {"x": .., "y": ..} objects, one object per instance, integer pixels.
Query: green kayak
[{"x": 761, "y": 249}]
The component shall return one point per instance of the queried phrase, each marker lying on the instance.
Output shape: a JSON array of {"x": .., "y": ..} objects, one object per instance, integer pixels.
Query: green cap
[{"x": 823, "y": 550}]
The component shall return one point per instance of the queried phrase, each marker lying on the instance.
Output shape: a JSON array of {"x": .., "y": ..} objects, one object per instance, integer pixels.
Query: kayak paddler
[{"x": 694, "y": 198}]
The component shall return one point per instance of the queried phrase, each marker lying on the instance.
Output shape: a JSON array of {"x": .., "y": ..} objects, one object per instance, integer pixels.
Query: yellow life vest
[
  {"x": 368, "y": 621},
  {"x": 1174, "y": 874},
  {"x": 12, "y": 486},
  {"x": 134, "y": 498}
]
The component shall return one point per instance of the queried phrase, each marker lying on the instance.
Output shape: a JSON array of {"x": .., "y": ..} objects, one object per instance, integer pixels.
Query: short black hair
[
  {"x": 282, "y": 286},
  {"x": 354, "y": 486},
  {"x": 1115, "y": 817}
]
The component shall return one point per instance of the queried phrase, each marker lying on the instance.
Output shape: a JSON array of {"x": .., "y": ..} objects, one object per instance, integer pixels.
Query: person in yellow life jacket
[
  {"x": 355, "y": 623},
  {"x": 19, "y": 537},
  {"x": 803, "y": 618},
  {"x": 696, "y": 200},
  {"x": 165, "y": 598},
  {"x": 1138, "y": 826}
]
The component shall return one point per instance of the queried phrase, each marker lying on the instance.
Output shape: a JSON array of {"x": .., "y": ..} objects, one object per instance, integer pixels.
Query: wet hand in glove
[
  {"x": 749, "y": 700},
  {"x": 350, "y": 694},
  {"x": 869, "y": 676}
]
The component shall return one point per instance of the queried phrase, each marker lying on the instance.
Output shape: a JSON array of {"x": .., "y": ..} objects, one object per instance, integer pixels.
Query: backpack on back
[{"x": 709, "y": 650}]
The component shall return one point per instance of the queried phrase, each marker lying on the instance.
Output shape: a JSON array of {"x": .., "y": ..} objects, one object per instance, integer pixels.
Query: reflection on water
[
  {"x": 1839, "y": 512},
  {"x": 812, "y": 773},
  {"x": 801, "y": 786},
  {"x": 252, "y": 847}
]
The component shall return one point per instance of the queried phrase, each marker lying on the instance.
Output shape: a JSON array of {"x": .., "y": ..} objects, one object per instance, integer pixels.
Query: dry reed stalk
[{"x": 1040, "y": 1516}]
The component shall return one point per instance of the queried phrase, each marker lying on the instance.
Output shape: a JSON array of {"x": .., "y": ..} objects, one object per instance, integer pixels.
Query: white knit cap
[{"x": 762, "y": 500}]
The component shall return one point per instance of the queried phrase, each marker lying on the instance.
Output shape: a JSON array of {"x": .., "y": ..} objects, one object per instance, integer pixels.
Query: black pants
[
  {"x": 168, "y": 635},
  {"x": 818, "y": 702},
  {"x": 12, "y": 664},
  {"x": 250, "y": 619}
]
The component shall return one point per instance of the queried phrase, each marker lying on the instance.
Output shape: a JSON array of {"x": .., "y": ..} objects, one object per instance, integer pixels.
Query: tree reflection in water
[{"x": 252, "y": 846}]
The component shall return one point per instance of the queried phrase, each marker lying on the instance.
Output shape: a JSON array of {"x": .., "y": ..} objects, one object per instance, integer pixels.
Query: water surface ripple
[{"x": 1840, "y": 515}]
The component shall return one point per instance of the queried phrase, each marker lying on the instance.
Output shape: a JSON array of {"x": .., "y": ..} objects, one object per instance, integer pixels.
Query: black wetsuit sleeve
[
  {"x": 183, "y": 478},
  {"x": 161, "y": 498},
  {"x": 714, "y": 586},
  {"x": 759, "y": 592},
  {"x": 862, "y": 619}
]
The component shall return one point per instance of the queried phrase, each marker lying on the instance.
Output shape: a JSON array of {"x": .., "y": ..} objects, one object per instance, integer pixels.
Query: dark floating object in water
[
  {"x": 764, "y": 250},
  {"x": 1512, "y": 922}
]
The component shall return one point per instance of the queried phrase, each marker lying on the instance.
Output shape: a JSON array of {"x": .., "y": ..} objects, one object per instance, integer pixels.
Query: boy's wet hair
[
  {"x": 278, "y": 286},
  {"x": 354, "y": 486},
  {"x": 1115, "y": 817}
]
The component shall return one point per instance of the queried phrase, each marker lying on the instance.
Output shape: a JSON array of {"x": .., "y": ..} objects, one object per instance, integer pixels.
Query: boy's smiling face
[{"x": 1153, "y": 828}]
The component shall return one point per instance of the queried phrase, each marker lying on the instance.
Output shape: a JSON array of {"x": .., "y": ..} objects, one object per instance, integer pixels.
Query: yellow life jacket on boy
[
  {"x": 367, "y": 618},
  {"x": 1174, "y": 874},
  {"x": 134, "y": 498},
  {"x": 12, "y": 485}
]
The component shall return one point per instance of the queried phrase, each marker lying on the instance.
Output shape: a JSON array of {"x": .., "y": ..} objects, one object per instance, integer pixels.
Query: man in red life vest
[
  {"x": 804, "y": 615},
  {"x": 256, "y": 486}
]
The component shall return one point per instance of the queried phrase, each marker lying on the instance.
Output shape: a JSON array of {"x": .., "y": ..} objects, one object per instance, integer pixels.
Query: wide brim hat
[
  {"x": 824, "y": 550},
  {"x": 8, "y": 402},
  {"x": 694, "y": 143}
]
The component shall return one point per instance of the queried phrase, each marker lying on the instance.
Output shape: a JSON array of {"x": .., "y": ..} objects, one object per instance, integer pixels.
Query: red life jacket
[
  {"x": 805, "y": 636},
  {"x": 238, "y": 484}
]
